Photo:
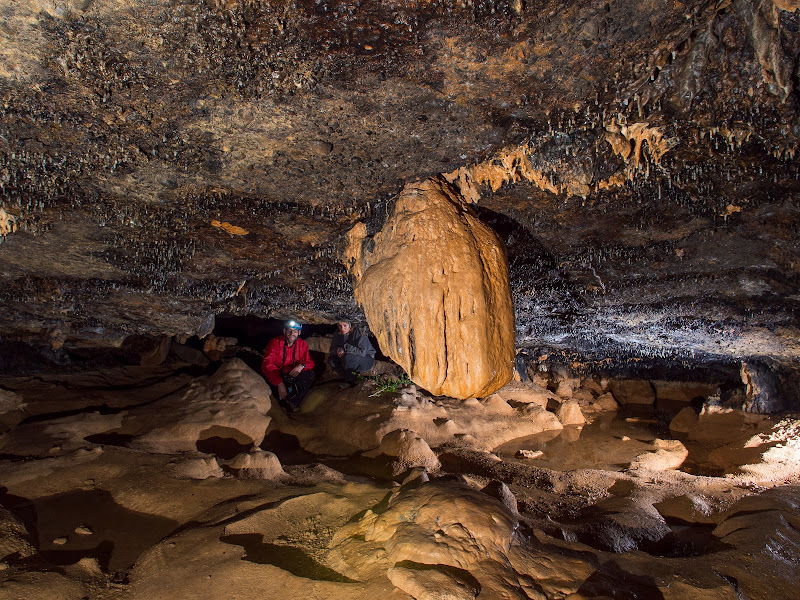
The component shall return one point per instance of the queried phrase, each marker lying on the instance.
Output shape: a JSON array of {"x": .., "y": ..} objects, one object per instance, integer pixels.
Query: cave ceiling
[{"x": 163, "y": 161}]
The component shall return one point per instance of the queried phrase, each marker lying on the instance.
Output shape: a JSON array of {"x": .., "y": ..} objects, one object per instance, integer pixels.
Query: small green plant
[{"x": 387, "y": 383}]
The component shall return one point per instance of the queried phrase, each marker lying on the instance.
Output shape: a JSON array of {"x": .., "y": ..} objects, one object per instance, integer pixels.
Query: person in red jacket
[{"x": 288, "y": 367}]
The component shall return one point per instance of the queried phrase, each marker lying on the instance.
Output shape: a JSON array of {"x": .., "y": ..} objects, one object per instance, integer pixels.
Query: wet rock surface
[{"x": 95, "y": 519}]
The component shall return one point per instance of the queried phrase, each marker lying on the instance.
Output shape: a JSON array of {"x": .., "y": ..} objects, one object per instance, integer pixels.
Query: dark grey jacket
[{"x": 354, "y": 342}]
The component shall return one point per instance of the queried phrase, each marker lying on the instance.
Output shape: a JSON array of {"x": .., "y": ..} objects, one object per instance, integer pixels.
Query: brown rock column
[{"x": 434, "y": 287}]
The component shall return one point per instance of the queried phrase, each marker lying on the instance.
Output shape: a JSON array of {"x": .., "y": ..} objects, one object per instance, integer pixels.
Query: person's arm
[
  {"x": 336, "y": 343},
  {"x": 305, "y": 356},
  {"x": 362, "y": 347},
  {"x": 303, "y": 360},
  {"x": 270, "y": 366}
]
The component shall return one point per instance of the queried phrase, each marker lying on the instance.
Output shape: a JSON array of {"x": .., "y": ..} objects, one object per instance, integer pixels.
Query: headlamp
[{"x": 292, "y": 325}]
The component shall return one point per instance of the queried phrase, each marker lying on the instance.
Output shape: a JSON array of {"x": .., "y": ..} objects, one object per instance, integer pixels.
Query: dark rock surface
[{"x": 165, "y": 161}]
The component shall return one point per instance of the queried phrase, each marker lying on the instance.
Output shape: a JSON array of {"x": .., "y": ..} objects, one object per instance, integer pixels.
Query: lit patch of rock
[
  {"x": 256, "y": 464},
  {"x": 407, "y": 450},
  {"x": 354, "y": 421},
  {"x": 232, "y": 403},
  {"x": 569, "y": 413}
]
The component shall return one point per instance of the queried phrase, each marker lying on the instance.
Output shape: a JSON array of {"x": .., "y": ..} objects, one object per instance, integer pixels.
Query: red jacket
[{"x": 280, "y": 359}]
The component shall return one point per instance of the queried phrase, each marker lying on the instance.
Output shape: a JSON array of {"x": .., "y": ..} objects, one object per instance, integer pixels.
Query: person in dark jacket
[
  {"x": 351, "y": 352},
  {"x": 288, "y": 367}
]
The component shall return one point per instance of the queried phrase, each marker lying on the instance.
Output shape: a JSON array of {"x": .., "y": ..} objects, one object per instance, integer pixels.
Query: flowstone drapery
[{"x": 434, "y": 286}]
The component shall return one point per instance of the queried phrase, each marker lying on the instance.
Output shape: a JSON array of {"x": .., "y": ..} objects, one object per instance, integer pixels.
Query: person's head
[
  {"x": 344, "y": 326},
  {"x": 291, "y": 331}
]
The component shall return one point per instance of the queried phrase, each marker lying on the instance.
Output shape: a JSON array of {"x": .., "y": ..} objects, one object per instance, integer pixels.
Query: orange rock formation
[{"x": 434, "y": 286}]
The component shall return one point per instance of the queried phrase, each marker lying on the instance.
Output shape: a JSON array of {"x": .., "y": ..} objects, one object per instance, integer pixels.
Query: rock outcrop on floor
[{"x": 611, "y": 508}]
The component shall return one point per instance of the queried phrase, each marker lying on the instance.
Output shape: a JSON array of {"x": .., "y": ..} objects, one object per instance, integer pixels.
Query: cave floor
[{"x": 618, "y": 507}]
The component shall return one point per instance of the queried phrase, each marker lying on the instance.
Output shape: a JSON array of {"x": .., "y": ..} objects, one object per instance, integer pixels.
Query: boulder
[
  {"x": 433, "y": 583},
  {"x": 499, "y": 491},
  {"x": 538, "y": 379},
  {"x": 620, "y": 525},
  {"x": 497, "y": 404},
  {"x": 771, "y": 386},
  {"x": 684, "y": 421},
  {"x": 158, "y": 354},
  {"x": 442, "y": 523},
  {"x": 256, "y": 464},
  {"x": 233, "y": 403},
  {"x": 434, "y": 287},
  {"x": 188, "y": 354},
  {"x": 592, "y": 386},
  {"x": 452, "y": 542},
  {"x": 606, "y": 402},
  {"x": 408, "y": 449},
  {"x": 669, "y": 454},
  {"x": 565, "y": 388},
  {"x": 632, "y": 391},
  {"x": 569, "y": 413},
  {"x": 583, "y": 397},
  {"x": 522, "y": 453}
]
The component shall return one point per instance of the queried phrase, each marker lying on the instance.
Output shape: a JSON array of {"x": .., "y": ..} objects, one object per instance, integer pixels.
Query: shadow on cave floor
[
  {"x": 287, "y": 448},
  {"x": 87, "y": 523},
  {"x": 289, "y": 558},
  {"x": 611, "y": 581}
]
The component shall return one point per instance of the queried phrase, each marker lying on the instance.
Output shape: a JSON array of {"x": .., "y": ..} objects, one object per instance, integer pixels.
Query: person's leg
[
  {"x": 359, "y": 364},
  {"x": 283, "y": 403},
  {"x": 522, "y": 368},
  {"x": 348, "y": 362},
  {"x": 337, "y": 365},
  {"x": 304, "y": 381}
]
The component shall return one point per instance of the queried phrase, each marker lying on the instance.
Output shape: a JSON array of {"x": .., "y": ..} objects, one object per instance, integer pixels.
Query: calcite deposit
[
  {"x": 399, "y": 494},
  {"x": 205, "y": 410},
  {"x": 433, "y": 284}
]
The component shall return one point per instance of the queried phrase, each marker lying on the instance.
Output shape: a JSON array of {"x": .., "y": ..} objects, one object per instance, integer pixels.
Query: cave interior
[{"x": 179, "y": 177}]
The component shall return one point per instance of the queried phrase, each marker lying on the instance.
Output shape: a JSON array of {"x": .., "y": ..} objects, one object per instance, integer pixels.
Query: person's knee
[
  {"x": 358, "y": 363},
  {"x": 350, "y": 362}
]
